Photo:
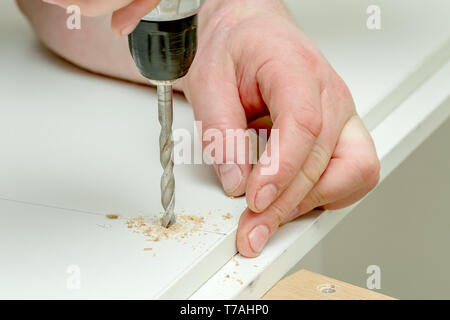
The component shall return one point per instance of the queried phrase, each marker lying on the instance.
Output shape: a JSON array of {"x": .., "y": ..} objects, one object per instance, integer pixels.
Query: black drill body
[{"x": 164, "y": 50}]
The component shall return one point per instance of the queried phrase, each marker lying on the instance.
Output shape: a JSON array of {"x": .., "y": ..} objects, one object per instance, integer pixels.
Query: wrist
[
  {"x": 219, "y": 17},
  {"x": 228, "y": 13}
]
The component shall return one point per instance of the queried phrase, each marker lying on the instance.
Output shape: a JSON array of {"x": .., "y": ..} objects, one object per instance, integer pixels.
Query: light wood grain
[{"x": 307, "y": 285}]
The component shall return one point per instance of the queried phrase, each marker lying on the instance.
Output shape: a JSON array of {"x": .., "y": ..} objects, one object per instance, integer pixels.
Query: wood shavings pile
[
  {"x": 186, "y": 226},
  {"x": 227, "y": 216}
]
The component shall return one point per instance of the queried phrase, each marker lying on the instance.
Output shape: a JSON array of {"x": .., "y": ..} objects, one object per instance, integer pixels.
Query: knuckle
[
  {"x": 287, "y": 171},
  {"x": 317, "y": 161},
  {"x": 308, "y": 120},
  {"x": 310, "y": 56},
  {"x": 277, "y": 213},
  {"x": 374, "y": 182},
  {"x": 321, "y": 153},
  {"x": 309, "y": 179},
  {"x": 370, "y": 171},
  {"x": 342, "y": 91},
  {"x": 218, "y": 126},
  {"x": 316, "y": 198}
]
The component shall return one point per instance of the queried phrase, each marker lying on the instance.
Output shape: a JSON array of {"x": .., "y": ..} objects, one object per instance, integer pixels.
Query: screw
[{"x": 327, "y": 288}]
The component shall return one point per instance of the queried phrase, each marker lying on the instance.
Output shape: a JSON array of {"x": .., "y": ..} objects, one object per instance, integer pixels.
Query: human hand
[
  {"x": 126, "y": 14},
  {"x": 253, "y": 61}
]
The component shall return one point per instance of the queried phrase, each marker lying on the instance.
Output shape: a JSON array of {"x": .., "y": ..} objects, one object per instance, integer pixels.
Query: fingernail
[
  {"x": 127, "y": 30},
  {"x": 265, "y": 196},
  {"x": 258, "y": 237},
  {"x": 231, "y": 177},
  {"x": 291, "y": 216}
]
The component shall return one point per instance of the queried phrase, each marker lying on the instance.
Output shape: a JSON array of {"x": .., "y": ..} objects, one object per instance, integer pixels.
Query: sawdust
[
  {"x": 227, "y": 276},
  {"x": 227, "y": 216},
  {"x": 186, "y": 226}
]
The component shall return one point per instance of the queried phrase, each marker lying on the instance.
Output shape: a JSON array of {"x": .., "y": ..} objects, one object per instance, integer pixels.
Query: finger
[
  {"x": 125, "y": 20},
  {"x": 353, "y": 198},
  {"x": 337, "y": 113},
  {"x": 218, "y": 107},
  {"x": 344, "y": 200},
  {"x": 92, "y": 8},
  {"x": 253, "y": 234},
  {"x": 293, "y": 98},
  {"x": 251, "y": 238},
  {"x": 351, "y": 174}
]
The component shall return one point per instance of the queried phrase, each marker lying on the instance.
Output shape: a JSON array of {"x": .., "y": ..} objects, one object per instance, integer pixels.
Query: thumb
[{"x": 225, "y": 140}]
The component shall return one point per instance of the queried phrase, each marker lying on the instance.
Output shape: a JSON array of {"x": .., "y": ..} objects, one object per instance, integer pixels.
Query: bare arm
[
  {"x": 94, "y": 47},
  {"x": 252, "y": 62}
]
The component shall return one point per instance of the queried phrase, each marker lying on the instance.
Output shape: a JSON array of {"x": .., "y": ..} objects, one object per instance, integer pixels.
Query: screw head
[{"x": 327, "y": 288}]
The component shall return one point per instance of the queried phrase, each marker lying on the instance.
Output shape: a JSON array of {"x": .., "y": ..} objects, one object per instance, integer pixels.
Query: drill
[{"x": 163, "y": 46}]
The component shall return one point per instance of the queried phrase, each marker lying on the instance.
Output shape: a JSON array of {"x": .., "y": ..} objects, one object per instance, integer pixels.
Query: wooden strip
[{"x": 307, "y": 285}]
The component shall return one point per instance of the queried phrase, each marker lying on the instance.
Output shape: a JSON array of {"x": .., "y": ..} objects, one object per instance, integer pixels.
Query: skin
[{"x": 262, "y": 71}]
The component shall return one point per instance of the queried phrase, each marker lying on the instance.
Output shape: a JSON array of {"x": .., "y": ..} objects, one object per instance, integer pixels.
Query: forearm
[
  {"x": 94, "y": 47},
  {"x": 97, "y": 48}
]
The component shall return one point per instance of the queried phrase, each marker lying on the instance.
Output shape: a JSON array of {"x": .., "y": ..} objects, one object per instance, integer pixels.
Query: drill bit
[
  {"x": 165, "y": 116},
  {"x": 163, "y": 46}
]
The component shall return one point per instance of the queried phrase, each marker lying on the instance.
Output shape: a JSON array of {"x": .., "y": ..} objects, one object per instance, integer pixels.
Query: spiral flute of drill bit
[{"x": 165, "y": 115}]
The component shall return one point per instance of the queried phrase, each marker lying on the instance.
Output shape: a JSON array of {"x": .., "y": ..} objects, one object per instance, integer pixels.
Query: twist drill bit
[
  {"x": 163, "y": 46},
  {"x": 165, "y": 116}
]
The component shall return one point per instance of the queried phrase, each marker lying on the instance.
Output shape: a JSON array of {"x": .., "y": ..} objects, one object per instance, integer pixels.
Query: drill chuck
[
  {"x": 164, "y": 50},
  {"x": 164, "y": 43}
]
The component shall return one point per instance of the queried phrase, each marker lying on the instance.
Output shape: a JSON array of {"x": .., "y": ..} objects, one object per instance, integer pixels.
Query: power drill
[{"x": 163, "y": 46}]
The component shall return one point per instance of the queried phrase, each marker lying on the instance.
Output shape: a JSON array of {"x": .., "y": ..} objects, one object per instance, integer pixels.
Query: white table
[{"x": 75, "y": 147}]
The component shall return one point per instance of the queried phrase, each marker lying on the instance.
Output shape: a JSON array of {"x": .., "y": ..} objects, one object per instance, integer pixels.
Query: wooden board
[
  {"x": 76, "y": 147},
  {"x": 307, "y": 285}
]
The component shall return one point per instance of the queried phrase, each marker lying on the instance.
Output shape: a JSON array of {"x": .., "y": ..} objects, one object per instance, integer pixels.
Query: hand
[
  {"x": 253, "y": 61},
  {"x": 126, "y": 13}
]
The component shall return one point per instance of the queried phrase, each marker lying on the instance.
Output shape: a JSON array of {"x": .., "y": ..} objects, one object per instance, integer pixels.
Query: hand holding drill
[{"x": 257, "y": 63}]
